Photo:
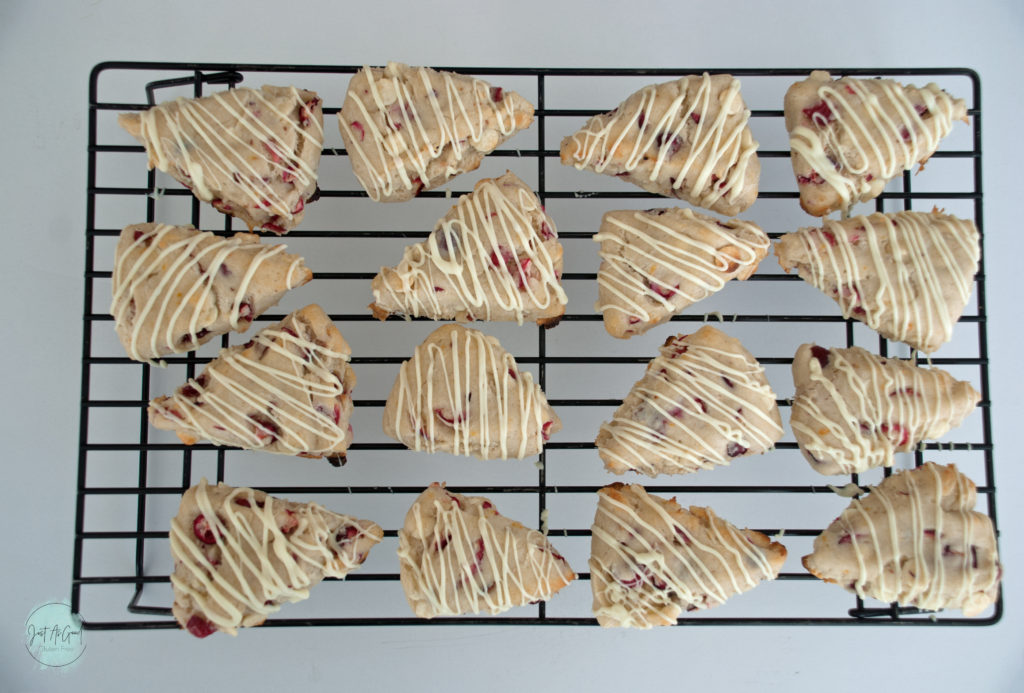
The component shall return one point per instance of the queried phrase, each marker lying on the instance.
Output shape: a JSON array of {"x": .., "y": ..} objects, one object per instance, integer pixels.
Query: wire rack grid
[{"x": 130, "y": 476}]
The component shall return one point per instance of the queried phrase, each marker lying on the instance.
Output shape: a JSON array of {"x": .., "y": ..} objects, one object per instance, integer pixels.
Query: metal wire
[{"x": 200, "y": 76}]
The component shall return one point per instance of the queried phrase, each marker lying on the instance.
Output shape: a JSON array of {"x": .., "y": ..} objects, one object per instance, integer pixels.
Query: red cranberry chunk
[
  {"x": 734, "y": 449},
  {"x": 200, "y": 627},
  {"x": 497, "y": 94},
  {"x": 306, "y": 114},
  {"x": 203, "y": 531},
  {"x": 357, "y": 128},
  {"x": 346, "y": 534},
  {"x": 265, "y": 429},
  {"x": 545, "y": 430},
  {"x": 820, "y": 114},
  {"x": 820, "y": 353},
  {"x": 814, "y": 178}
]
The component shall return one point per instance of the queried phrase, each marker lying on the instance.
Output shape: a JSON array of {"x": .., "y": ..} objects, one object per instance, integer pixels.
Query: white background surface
[{"x": 46, "y": 52}]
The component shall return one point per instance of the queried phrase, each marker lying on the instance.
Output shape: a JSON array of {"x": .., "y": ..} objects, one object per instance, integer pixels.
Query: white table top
[{"x": 45, "y": 57}]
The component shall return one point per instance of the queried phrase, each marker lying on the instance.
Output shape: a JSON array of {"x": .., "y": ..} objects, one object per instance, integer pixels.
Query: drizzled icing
[
  {"x": 408, "y": 129},
  {"x": 687, "y": 138},
  {"x": 286, "y": 391},
  {"x": 857, "y": 134},
  {"x": 702, "y": 402},
  {"x": 657, "y": 262},
  {"x": 852, "y": 414},
  {"x": 459, "y": 556},
  {"x": 907, "y": 275},
  {"x": 175, "y": 288},
  {"x": 914, "y": 540},
  {"x": 650, "y": 559},
  {"x": 253, "y": 153},
  {"x": 260, "y": 552},
  {"x": 494, "y": 256},
  {"x": 462, "y": 393}
]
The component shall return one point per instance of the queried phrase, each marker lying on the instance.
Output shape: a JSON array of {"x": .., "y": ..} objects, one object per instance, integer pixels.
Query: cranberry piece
[
  {"x": 479, "y": 556},
  {"x": 664, "y": 292},
  {"x": 545, "y": 430},
  {"x": 497, "y": 94},
  {"x": 266, "y": 430},
  {"x": 289, "y": 331},
  {"x": 486, "y": 505},
  {"x": 658, "y": 583},
  {"x": 672, "y": 145},
  {"x": 813, "y": 178},
  {"x": 337, "y": 414},
  {"x": 974, "y": 557},
  {"x": 524, "y": 273},
  {"x": 922, "y": 110},
  {"x": 897, "y": 434},
  {"x": 635, "y": 581},
  {"x": 245, "y": 312},
  {"x": 288, "y": 174},
  {"x": 703, "y": 405},
  {"x": 545, "y": 231},
  {"x": 290, "y": 522},
  {"x": 418, "y": 185},
  {"x": 695, "y": 117},
  {"x": 734, "y": 449},
  {"x": 728, "y": 382},
  {"x": 512, "y": 374},
  {"x": 681, "y": 533},
  {"x": 442, "y": 543},
  {"x": 203, "y": 379},
  {"x": 220, "y": 205},
  {"x": 200, "y": 627},
  {"x": 204, "y": 533},
  {"x": 503, "y": 254},
  {"x": 274, "y": 228},
  {"x": 820, "y": 353},
  {"x": 299, "y": 206},
  {"x": 306, "y": 113},
  {"x": 358, "y": 128},
  {"x": 271, "y": 148},
  {"x": 640, "y": 120},
  {"x": 346, "y": 534},
  {"x": 845, "y": 539},
  {"x": 930, "y": 533},
  {"x": 675, "y": 412},
  {"x": 189, "y": 391},
  {"x": 137, "y": 235},
  {"x": 868, "y": 178},
  {"x": 820, "y": 115},
  {"x": 242, "y": 502},
  {"x": 849, "y": 89},
  {"x": 904, "y": 391},
  {"x": 633, "y": 320},
  {"x": 829, "y": 236},
  {"x": 450, "y": 421}
]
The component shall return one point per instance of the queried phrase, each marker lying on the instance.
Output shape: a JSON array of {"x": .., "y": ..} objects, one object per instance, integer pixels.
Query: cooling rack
[{"x": 130, "y": 476}]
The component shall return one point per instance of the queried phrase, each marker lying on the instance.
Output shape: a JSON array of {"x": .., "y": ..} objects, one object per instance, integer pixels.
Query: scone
[
  {"x": 457, "y": 555},
  {"x": 849, "y": 137},
  {"x": 657, "y": 262},
  {"x": 288, "y": 390},
  {"x": 494, "y": 256},
  {"x": 239, "y": 554},
  {"x": 915, "y": 540},
  {"x": 462, "y": 393},
  {"x": 650, "y": 559},
  {"x": 175, "y": 288},
  {"x": 907, "y": 275},
  {"x": 408, "y": 129},
  {"x": 703, "y": 402},
  {"x": 852, "y": 409},
  {"x": 251, "y": 153},
  {"x": 688, "y": 138}
]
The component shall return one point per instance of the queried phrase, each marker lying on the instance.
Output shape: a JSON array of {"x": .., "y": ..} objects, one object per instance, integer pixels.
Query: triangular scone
[
  {"x": 657, "y": 262},
  {"x": 408, "y": 129},
  {"x": 914, "y": 539},
  {"x": 688, "y": 138},
  {"x": 251, "y": 153},
  {"x": 852, "y": 409},
  {"x": 459, "y": 556},
  {"x": 494, "y": 256},
  {"x": 462, "y": 393},
  {"x": 849, "y": 137},
  {"x": 704, "y": 401},
  {"x": 175, "y": 288},
  {"x": 288, "y": 390},
  {"x": 650, "y": 558},
  {"x": 907, "y": 275},
  {"x": 239, "y": 554}
]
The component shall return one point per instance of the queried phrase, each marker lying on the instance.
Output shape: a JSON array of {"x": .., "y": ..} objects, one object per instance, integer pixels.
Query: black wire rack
[{"x": 130, "y": 477}]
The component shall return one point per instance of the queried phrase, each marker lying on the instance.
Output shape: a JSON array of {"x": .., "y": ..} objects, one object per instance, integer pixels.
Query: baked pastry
[
  {"x": 175, "y": 288},
  {"x": 704, "y": 401},
  {"x": 459, "y": 556},
  {"x": 251, "y": 153},
  {"x": 288, "y": 390},
  {"x": 657, "y": 262},
  {"x": 239, "y": 554},
  {"x": 494, "y": 256},
  {"x": 852, "y": 410},
  {"x": 688, "y": 138},
  {"x": 462, "y": 393},
  {"x": 907, "y": 275},
  {"x": 849, "y": 137},
  {"x": 408, "y": 129},
  {"x": 915, "y": 540},
  {"x": 650, "y": 559}
]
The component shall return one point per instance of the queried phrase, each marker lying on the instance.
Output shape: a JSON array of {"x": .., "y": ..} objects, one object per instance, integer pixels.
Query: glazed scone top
[
  {"x": 288, "y": 390},
  {"x": 412, "y": 128},
  {"x": 462, "y": 393},
  {"x": 494, "y": 256},
  {"x": 175, "y": 288},
  {"x": 658, "y": 261},
  {"x": 687, "y": 138},
  {"x": 703, "y": 401},
  {"x": 459, "y": 556},
  {"x": 240, "y": 553},
  {"x": 915, "y": 539},
  {"x": 853, "y": 409},
  {"x": 854, "y": 135},
  {"x": 650, "y": 558},
  {"x": 255, "y": 148},
  {"x": 907, "y": 275}
]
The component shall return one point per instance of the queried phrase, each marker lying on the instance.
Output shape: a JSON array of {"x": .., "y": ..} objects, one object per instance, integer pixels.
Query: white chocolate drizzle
[
  {"x": 487, "y": 408},
  {"x": 713, "y": 154},
  {"x": 907, "y": 275},
  {"x": 255, "y": 564},
  {"x": 389, "y": 137},
  {"x": 188, "y": 264},
  {"x": 459, "y": 556}
]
